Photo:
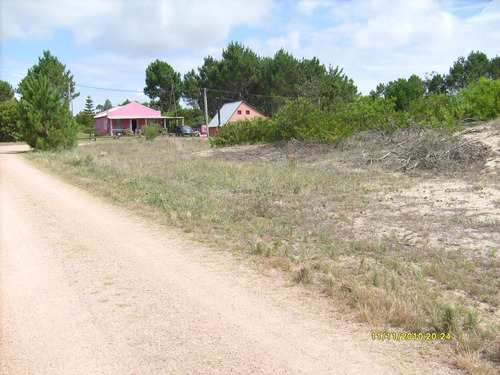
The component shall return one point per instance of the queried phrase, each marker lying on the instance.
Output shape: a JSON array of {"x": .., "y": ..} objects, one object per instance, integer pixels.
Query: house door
[{"x": 134, "y": 125}]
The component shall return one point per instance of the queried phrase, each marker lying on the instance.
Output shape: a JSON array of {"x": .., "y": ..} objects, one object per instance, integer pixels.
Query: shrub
[
  {"x": 300, "y": 119},
  {"x": 481, "y": 100},
  {"x": 248, "y": 131},
  {"x": 150, "y": 132},
  {"x": 372, "y": 114},
  {"x": 9, "y": 115},
  {"x": 437, "y": 111},
  {"x": 303, "y": 120}
]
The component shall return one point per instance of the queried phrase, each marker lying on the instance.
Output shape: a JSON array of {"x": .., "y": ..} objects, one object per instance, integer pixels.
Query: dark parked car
[{"x": 183, "y": 130}]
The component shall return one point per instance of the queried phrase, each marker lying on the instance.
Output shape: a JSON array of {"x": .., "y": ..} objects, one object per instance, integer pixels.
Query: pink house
[
  {"x": 232, "y": 112},
  {"x": 130, "y": 116}
]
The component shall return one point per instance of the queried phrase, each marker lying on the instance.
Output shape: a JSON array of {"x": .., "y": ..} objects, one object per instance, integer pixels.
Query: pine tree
[
  {"x": 89, "y": 106},
  {"x": 61, "y": 79},
  {"x": 46, "y": 121},
  {"x": 89, "y": 112}
]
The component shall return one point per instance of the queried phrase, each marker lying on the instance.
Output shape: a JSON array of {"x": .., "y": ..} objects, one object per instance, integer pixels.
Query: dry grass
[{"x": 414, "y": 249}]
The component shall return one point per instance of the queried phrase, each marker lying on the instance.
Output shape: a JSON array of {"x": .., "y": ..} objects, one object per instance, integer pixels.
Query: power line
[
  {"x": 106, "y": 89},
  {"x": 249, "y": 94},
  {"x": 194, "y": 91}
]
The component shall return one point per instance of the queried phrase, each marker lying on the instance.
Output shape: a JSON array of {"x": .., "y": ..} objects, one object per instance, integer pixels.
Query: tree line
[
  {"x": 464, "y": 72},
  {"x": 267, "y": 83}
]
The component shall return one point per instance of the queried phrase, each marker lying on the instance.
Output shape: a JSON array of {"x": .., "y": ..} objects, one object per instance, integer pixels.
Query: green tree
[
  {"x": 337, "y": 87},
  {"x": 89, "y": 110},
  {"x": 466, "y": 71},
  {"x": 279, "y": 78},
  {"x": 266, "y": 83},
  {"x": 81, "y": 120},
  {"x": 208, "y": 77},
  {"x": 404, "y": 91},
  {"x": 104, "y": 107},
  {"x": 234, "y": 77},
  {"x": 436, "y": 83},
  {"x": 495, "y": 68},
  {"x": 192, "y": 116},
  {"x": 45, "y": 119},
  {"x": 281, "y": 75},
  {"x": 310, "y": 81},
  {"x": 165, "y": 84},
  {"x": 9, "y": 116},
  {"x": 192, "y": 93},
  {"x": 89, "y": 106},
  {"x": 378, "y": 92},
  {"x": 6, "y": 91},
  {"x": 238, "y": 69},
  {"x": 85, "y": 118},
  {"x": 60, "y": 79}
]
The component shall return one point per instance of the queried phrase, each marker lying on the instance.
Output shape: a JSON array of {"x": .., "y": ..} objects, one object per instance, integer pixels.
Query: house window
[
  {"x": 247, "y": 112},
  {"x": 118, "y": 124},
  {"x": 239, "y": 111}
]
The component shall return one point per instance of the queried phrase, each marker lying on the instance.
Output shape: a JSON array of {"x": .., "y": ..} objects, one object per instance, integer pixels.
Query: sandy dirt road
[{"x": 88, "y": 288}]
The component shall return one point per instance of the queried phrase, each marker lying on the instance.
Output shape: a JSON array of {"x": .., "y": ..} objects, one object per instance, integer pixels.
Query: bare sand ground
[{"x": 89, "y": 288}]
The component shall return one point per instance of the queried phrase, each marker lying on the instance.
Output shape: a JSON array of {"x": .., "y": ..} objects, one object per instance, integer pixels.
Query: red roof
[{"x": 130, "y": 110}]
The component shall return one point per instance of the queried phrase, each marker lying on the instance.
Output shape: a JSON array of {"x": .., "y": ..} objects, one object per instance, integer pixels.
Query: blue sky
[{"x": 109, "y": 43}]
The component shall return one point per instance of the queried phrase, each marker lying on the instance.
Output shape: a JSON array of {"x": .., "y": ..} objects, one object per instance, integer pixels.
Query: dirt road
[{"x": 88, "y": 288}]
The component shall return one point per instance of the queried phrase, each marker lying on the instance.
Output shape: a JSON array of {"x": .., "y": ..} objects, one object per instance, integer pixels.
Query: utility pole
[
  {"x": 173, "y": 101},
  {"x": 218, "y": 111},
  {"x": 206, "y": 109}
]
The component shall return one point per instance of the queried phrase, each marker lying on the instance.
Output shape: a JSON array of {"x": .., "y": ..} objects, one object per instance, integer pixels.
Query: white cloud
[
  {"x": 131, "y": 27},
  {"x": 308, "y": 7},
  {"x": 290, "y": 42},
  {"x": 38, "y": 20}
]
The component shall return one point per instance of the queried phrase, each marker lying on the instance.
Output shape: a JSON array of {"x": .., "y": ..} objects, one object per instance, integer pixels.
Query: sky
[{"x": 108, "y": 44}]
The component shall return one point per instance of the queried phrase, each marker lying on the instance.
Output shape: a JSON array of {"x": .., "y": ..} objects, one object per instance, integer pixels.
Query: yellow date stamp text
[{"x": 409, "y": 336}]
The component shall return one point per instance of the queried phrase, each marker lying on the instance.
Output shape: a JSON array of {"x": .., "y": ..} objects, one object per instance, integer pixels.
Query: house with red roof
[
  {"x": 131, "y": 116},
  {"x": 232, "y": 112}
]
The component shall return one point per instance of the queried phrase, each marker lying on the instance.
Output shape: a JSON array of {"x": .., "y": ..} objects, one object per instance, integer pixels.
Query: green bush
[
  {"x": 303, "y": 120},
  {"x": 481, "y": 100},
  {"x": 372, "y": 114},
  {"x": 9, "y": 115},
  {"x": 438, "y": 111},
  {"x": 247, "y": 131},
  {"x": 150, "y": 132},
  {"x": 300, "y": 119}
]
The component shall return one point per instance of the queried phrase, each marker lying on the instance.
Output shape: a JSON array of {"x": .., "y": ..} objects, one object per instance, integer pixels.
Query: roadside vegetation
[
  {"x": 305, "y": 120},
  {"x": 386, "y": 245}
]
